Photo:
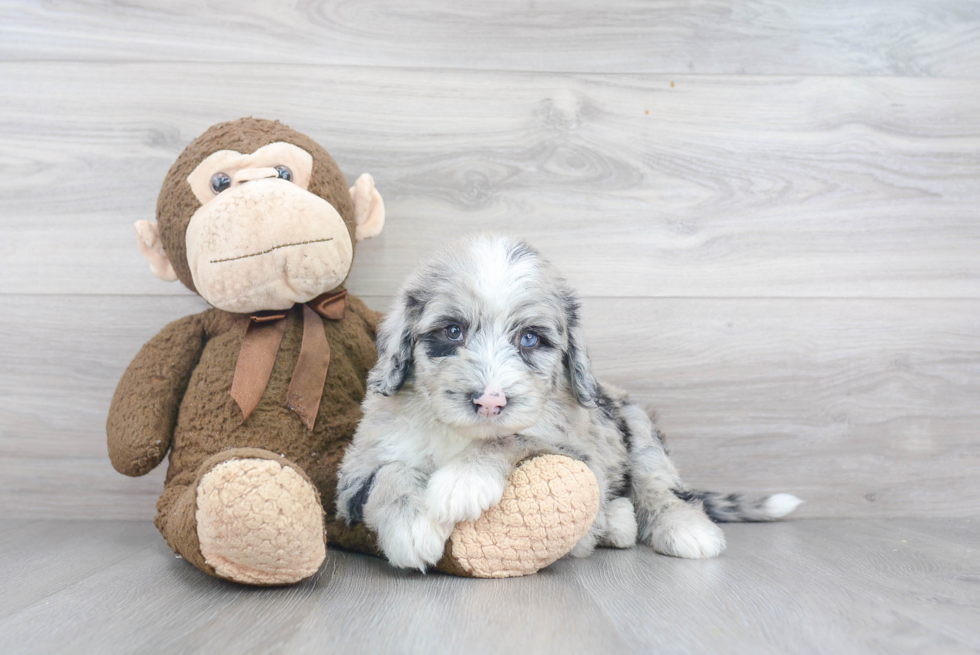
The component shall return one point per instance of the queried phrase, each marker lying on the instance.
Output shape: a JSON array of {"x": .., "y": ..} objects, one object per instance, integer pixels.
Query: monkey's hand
[{"x": 144, "y": 408}]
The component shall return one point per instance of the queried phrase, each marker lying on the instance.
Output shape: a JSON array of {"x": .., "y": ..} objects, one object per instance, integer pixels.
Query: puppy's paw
[
  {"x": 620, "y": 524},
  {"x": 414, "y": 544},
  {"x": 462, "y": 493},
  {"x": 585, "y": 546},
  {"x": 685, "y": 531}
]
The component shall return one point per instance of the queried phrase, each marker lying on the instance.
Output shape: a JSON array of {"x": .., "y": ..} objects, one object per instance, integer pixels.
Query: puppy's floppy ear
[
  {"x": 395, "y": 341},
  {"x": 576, "y": 357}
]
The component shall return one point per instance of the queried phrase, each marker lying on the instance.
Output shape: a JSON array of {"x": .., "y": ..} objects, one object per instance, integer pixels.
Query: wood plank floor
[
  {"x": 771, "y": 209},
  {"x": 834, "y": 586}
]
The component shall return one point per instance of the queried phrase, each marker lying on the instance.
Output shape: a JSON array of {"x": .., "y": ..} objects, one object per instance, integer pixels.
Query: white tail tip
[{"x": 779, "y": 505}]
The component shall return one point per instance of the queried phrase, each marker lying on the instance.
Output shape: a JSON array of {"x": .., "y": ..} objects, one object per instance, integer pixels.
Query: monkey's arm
[{"x": 144, "y": 408}]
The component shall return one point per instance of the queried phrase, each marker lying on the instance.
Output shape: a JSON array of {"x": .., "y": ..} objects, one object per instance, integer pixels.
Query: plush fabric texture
[
  {"x": 177, "y": 202},
  {"x": 547, "y": 507},
  {"x": 224, "y": 508},
  {"x": 179, "y": 384},
  {"x": 244, "y": 498},
  {"x": 281, "y": 538},
  {"x": 144, "y": 408},
  {"x": 262, "y": 246}
]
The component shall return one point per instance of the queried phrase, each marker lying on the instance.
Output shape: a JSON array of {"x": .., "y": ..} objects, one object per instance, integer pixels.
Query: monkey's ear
[
  {"x": 151, "y": 247},
  {"x": 369, "y": 208}
]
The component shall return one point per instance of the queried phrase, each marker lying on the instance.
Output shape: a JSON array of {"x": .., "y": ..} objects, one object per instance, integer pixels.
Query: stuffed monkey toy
[{"x": 256, "y": 398}]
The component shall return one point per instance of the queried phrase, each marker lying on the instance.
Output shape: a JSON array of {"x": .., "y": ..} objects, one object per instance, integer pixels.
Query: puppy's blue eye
[
  {"x": 220, "y": 182},
  {"x": 454, "y": 333},
  {"x": 529, "y": 340},
  {"x": 284, "y": 173}
]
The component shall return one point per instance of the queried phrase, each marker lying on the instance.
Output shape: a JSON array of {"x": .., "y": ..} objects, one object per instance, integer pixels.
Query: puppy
[{"x": 481, "y": 363}]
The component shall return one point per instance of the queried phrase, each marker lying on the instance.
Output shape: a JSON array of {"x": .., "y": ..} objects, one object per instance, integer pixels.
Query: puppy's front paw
[
  {"x": 585, "y": 547},
  {"x": 462, "y": 493},
  {"x": 621, "y": 525},
  {"x": 414, "y": 544},
  {"x": 685, "y": 531}
]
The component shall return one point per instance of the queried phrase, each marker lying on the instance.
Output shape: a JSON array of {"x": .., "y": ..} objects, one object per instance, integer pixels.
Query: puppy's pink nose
[{"x": 491, "y": 402}]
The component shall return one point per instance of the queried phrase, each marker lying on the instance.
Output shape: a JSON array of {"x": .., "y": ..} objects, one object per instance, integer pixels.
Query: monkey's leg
[
  {"x": 548, "y": 505},
  {"x": 246, "y": 515}
]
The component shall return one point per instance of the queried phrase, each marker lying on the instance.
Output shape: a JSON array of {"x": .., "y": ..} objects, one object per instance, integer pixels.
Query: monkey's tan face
[{"x": 260, "y": 240}]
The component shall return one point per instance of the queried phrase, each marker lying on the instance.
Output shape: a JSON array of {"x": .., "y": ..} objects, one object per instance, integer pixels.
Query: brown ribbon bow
[{"x": 261, "y": 345}]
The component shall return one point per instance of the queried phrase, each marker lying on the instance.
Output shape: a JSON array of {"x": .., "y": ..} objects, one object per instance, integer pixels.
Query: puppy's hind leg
[
  {"x": 621, "y": 525},
  {"x": 587, "y": 544},
  {"x": 664, "y": 521},
  {"x": 598, "y": 534}
]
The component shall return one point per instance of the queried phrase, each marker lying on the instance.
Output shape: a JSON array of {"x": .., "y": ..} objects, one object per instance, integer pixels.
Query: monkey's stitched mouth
[{"x": 265, "y": 252}]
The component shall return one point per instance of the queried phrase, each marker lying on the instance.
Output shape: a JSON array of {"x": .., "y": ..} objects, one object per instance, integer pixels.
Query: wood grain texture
[
  {"x": 712, "y": 187},
  {"x": 40, "y": 559},
  {"x": 836, "y": 586},
  {"x": 859, "y": 586},
  {"x": 772, "y": 210},
  {"x": 862, "y": 407},
  {"x": 878, "y": 37}
]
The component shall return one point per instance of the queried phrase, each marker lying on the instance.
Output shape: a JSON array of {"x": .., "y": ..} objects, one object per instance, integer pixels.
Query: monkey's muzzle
[{"x": 267, "y": 244}]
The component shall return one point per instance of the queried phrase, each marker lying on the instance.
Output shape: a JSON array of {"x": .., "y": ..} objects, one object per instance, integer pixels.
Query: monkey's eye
[
  {"x": 220, "y": 182},
  {"x": 529, "y": 340},
  {"x": 284, "y": 173},
  {"x": 454, "y": 333}
]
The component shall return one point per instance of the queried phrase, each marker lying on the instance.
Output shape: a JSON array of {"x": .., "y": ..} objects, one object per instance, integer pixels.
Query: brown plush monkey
[{"x": 257, "y": 398}]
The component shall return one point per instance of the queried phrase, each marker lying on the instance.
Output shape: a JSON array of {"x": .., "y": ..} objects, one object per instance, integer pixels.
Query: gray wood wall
[{"x": 771, "y": 208}]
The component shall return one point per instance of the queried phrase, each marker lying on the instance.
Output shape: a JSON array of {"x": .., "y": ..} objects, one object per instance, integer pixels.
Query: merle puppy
[{"x": 481, "y": 363}]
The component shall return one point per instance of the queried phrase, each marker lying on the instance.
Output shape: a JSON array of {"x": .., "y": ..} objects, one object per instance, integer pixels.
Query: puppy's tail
[{"x": 735, "y": 508}]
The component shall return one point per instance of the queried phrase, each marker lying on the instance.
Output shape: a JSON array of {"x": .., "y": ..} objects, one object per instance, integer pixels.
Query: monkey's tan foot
[
  {"x": 259, "y": 522},
  {"x": 548, "y": 505}
]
